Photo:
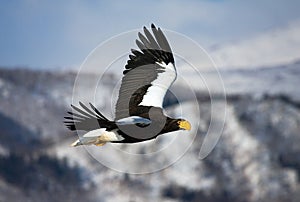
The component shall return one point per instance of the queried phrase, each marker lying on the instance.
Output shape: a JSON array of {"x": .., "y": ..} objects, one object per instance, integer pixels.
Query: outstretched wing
[
  {"x": 149, "y": 73},
  {"x": 87, "y": 119}
]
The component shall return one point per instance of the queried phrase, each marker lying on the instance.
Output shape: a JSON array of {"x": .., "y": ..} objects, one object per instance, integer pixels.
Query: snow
[
  {"x": 275, "y": 80},
  {"x": 244, "y": 162},
  {"x": 274, "y": 47}
]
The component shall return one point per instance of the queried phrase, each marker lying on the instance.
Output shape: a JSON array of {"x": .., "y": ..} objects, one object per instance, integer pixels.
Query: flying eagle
[{"x": 139, "y": 116}]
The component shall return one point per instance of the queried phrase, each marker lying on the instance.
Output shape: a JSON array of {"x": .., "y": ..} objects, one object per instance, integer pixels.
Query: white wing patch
[{"x": 156, "y": 92}]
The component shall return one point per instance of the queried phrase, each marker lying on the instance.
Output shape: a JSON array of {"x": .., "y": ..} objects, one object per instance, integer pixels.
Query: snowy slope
[
  {"x": 271, "y": 48},
  {"x": 256, "y": 158}
]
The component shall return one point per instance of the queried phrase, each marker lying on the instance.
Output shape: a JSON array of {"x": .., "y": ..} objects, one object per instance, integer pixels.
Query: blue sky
[{"x": 53, "y": 34}]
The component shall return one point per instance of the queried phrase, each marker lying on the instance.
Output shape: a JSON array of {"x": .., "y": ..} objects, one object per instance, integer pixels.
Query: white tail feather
[{"x": 97, "y": 137}]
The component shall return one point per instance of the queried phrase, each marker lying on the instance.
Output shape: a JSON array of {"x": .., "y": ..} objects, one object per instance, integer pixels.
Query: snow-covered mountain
[
  {"x": 256, "y": 158},
  {"x": 270, "y": 48}
]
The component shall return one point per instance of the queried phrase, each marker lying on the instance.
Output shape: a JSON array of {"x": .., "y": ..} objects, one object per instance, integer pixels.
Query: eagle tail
[
  {"x": 87, "y": 141},
  {"x": 92, "y": 137},
  {"x": 98, "y": 137}
]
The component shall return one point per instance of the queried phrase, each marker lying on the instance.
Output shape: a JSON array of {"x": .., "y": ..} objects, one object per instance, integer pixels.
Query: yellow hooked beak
[{"x": 184, "y": 125}]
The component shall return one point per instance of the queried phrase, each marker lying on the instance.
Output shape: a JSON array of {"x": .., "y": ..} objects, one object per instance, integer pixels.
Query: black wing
[
  {"x": 148, "y": 74},
  {"x": 87, "y": 119}
]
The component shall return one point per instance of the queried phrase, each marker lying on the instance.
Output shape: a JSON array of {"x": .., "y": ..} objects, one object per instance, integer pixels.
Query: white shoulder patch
[
  {"x": 133, "y": 120},
  {"x": 156, "y": 92}
]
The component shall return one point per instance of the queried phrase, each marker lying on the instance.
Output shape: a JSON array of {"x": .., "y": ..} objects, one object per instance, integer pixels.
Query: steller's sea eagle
[{"x": 139, "y": 116}]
